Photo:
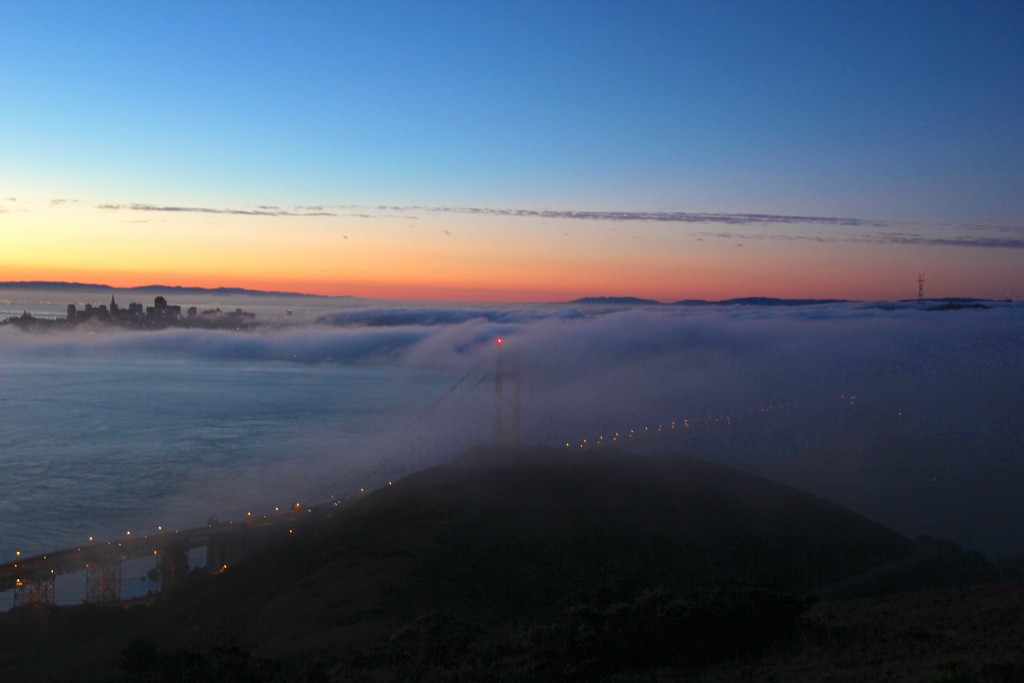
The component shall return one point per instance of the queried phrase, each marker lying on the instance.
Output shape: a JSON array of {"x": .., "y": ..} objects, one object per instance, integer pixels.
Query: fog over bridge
[{"x": 33, "y": 579}]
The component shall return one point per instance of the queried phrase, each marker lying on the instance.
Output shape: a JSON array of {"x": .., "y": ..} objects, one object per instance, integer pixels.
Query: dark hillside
[
  {"x": 499, "y": 532},
  {"x": 498, "y": 536}
]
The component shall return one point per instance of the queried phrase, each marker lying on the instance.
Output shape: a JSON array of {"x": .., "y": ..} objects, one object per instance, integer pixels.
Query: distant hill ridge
[
  {"x": 81, "y": 286},
  {"x": 759, "y": 301},
  {"x": 742, "y": 301},
  {"x": 614, "y": 300}
]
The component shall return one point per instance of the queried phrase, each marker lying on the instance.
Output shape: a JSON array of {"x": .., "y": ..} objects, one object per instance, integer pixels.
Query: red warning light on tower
[{"x": 499, "y": 341}]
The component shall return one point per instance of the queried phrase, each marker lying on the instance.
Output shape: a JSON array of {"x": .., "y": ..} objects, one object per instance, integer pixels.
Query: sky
[{"x": 516, "y": 151}]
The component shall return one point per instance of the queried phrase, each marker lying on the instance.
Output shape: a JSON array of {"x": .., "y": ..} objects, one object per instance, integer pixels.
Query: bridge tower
[
  {"x": 103, "y": 581},
  {"x": 35, "y": 592},
  {"x": 506, "y": 395},
  {"x": 920, "y": 288}
]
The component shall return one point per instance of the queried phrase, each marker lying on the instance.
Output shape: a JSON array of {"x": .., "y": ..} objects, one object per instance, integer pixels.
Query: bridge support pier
[
  {"x": 172, "y": 566},
  {"x": 36, "y": 593},
  {"x": 103, "y": 582}
]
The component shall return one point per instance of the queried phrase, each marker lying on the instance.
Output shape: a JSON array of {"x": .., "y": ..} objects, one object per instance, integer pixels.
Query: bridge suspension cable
[{"x": 373, "y": 462}]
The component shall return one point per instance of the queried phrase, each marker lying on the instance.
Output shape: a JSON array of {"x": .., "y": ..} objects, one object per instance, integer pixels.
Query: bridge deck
[{"x": 79, "y": 558}]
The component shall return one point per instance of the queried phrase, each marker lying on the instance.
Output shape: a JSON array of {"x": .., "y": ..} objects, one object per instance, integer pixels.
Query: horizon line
[{"x": 586, "y": 299}]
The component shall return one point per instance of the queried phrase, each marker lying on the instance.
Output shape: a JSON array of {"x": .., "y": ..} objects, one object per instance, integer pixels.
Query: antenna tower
[
  {"x": 506, "y": 396},
  {"x": 920, "y": 288}
]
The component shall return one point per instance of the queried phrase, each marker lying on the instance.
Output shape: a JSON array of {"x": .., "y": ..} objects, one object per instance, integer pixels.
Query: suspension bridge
[{"x": 32, "y": 579}]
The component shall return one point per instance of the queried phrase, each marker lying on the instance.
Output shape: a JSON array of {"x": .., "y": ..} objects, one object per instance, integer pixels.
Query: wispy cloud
[
  {"x": 751, "y": 219},
  {"x": 775, "y": 237},
  {"x": 581, "y": 215},
  {"x": 899, "y": 238},
  {"x": 888, "y": 232},
  {"x": 649, "y": 216},
  {"x": 956, "y": 241},
  {"x": 262, "y": 210},
  {"x": 1000, "y": 229}
]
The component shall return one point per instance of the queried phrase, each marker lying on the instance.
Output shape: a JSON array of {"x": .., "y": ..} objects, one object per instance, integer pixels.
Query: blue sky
[{"x": 894, "y": 111}]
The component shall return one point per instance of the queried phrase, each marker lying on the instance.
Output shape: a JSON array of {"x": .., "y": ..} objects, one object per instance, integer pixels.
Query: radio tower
[
  {"x": 920, "y": 288},
  {"x": 506, "y": 396}
]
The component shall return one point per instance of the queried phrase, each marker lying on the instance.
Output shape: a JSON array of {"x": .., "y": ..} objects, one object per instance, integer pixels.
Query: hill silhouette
[
  {"x": 173, "y": 289},
  {"x": 484, "y": 553},
  {"x": 614, "y": 300}
]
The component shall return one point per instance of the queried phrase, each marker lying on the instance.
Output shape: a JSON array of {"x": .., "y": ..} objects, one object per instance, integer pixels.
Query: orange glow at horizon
[
  {"x": 535, "y": 288},
  {"x": 468, "y": 258}
]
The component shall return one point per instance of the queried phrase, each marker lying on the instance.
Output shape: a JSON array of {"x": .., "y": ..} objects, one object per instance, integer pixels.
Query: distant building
[
  {"x": 136, "y": 316},
  {"x": 162, "y": 312}
]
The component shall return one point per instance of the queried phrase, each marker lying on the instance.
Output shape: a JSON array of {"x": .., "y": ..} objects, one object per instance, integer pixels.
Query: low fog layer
[
  {"x": 911, "y": 417},
  {"x": 592, "y": 367}
]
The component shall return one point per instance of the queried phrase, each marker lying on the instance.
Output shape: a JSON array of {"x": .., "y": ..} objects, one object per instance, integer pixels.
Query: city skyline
[{"x": 517, "y": 152}]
